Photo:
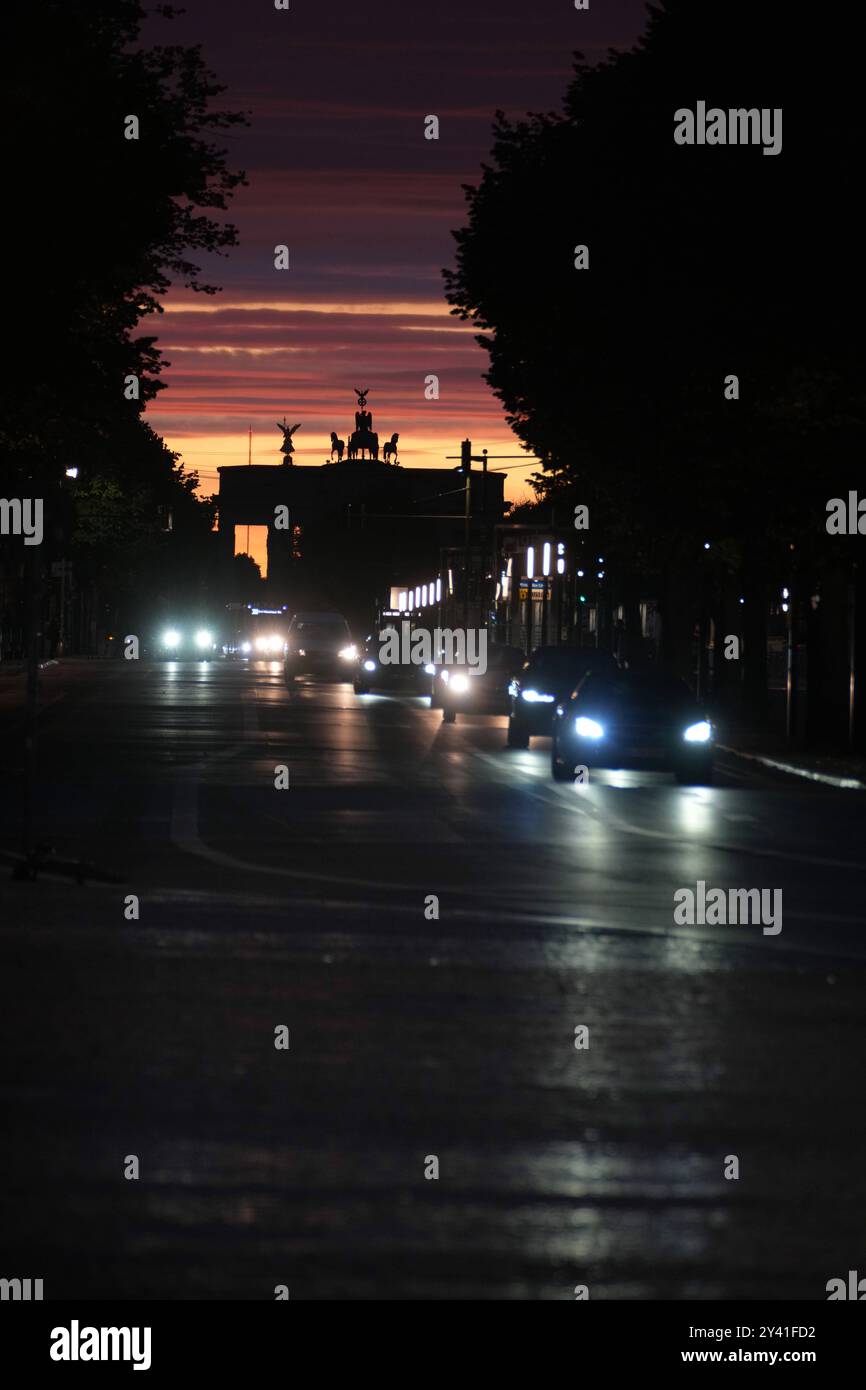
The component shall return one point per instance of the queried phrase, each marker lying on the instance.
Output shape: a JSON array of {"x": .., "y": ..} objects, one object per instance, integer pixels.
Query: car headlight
[
  {"x": 369, "y": 665},
  {"x": 535, "y": 697},
  {"x": 429, "y": 669},
  {"x": 203, "y": 638},
  {"x": 701, "y": 732},
  {"x": 445, "y": 676},
  {"x": 171, "y": 639},
  {"x": 459, "y": 684},
  {"x": 588, "y": 728},
  {"x": 349, "y": 653},
  {"x": 246, "y": 647}
]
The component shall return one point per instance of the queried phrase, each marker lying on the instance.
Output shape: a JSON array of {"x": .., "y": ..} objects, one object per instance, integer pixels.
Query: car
[
  {"x": 319, "y": 644},
  {"x": 550, "y": 674},
  {"x": 372, "y": 673},
  {"x": 186, "y": 642},
  {"x": 469, "y": 690},
  {"x": 635, "y": 718}
]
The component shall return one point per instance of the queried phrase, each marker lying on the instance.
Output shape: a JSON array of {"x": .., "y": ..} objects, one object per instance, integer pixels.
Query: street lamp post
[
  {"x": 791, "y": 674},
  {"x": 34, "y": 632}
]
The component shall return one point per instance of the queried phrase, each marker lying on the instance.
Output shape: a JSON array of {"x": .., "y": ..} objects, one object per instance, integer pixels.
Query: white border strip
[{"x": 846, "y": 783}]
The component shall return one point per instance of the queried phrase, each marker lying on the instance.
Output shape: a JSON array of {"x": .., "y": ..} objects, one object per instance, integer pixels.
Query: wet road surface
[{"x": 413, "y": 1037}]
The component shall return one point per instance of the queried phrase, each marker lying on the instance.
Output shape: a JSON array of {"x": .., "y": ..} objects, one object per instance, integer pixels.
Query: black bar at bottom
[{"x": 168, "y": 1339}]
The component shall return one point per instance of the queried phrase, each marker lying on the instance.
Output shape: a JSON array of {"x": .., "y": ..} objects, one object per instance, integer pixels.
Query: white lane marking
[
  {"x": 796, "y": 856},
  {"x": 603, "y": 815},
  {"x": 185, "y": 830},
  {"x": 185, "y": 827},
  {"x": 185, "y": 836}
]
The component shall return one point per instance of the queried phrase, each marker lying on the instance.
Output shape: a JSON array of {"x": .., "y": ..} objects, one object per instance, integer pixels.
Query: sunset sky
[{"x": 339, "y": 170}]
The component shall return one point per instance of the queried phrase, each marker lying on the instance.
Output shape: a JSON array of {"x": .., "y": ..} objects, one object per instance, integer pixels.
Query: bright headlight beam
[
  {"x": 369, "y": 665},
  {"x": 460, "y": 684},
  {"x": 171, "y": 638},
  {"x": 701, "y": 732},
  {"x": 203, "y": 638},
  {"x": 588, "y": 728},
  {"x": 349, "y": 653},
  {"x": 535, "y": 697}
]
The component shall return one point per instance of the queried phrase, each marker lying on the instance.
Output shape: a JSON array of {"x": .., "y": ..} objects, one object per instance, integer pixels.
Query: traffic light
[{"x": 466, "y": 456}]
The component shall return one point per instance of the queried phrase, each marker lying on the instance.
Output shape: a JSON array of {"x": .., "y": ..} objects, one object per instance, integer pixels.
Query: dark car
[
  {"x": 547, "y": 678},
  {"x": 372, "y": 673},
  {"x": 633, "y": 719},
  {"x": 320, "y": 644},
  {"x": 185, "y": 641},
  {"x": 469, "y": 690}
]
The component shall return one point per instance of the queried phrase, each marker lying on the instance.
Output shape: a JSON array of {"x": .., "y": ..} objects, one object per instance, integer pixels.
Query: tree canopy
[
  {"x": 703, "y": 262},
  {"x": 102, "y": 225}
]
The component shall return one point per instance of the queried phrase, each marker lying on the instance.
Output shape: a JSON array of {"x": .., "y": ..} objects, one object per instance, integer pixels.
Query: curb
[{"x": 846, "y": 783}]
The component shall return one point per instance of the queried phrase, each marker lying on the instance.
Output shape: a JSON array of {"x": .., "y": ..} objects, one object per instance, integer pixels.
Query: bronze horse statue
[
  {"x": 390, "y": 448},
  {"x": 337, "y": 446}
]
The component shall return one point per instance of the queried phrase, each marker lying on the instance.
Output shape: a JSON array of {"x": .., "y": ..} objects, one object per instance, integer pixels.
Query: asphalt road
[{"x": 409, "y": 1036}]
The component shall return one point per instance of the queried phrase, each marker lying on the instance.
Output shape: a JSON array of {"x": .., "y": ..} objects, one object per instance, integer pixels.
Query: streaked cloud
[{"x": 339, "y": 171}]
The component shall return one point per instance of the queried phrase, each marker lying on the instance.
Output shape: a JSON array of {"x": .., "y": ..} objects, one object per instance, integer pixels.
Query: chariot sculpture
[{"x": 363, "y": 442}]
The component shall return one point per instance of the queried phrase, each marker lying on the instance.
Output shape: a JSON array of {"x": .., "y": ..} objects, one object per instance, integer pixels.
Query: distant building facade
[{"x": 340, "y": 531}]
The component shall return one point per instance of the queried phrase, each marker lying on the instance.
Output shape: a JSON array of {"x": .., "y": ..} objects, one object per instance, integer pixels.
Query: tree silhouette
[
  {"x": 101, "y": 226},
  {"x": 703, "y": 261}
]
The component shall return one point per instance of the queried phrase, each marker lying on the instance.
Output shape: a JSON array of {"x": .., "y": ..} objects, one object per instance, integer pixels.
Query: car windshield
[
  {"x": 560, "y": 661},
  {"x": 633, "y": 689},
  {"x": 321, "y": 632}
]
